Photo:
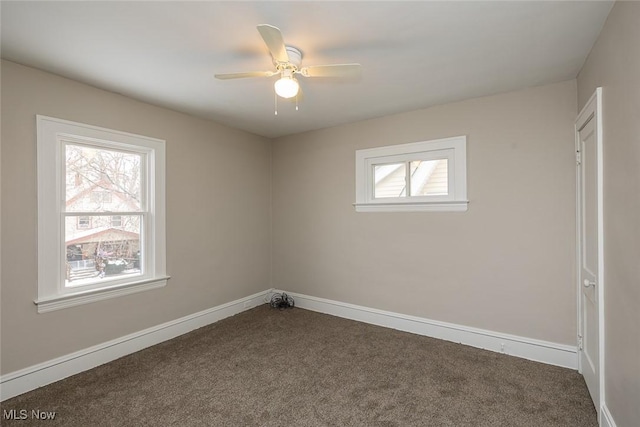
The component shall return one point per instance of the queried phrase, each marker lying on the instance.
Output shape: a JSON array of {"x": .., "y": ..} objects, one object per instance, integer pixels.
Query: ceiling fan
[{"x": 287, "y": 60}]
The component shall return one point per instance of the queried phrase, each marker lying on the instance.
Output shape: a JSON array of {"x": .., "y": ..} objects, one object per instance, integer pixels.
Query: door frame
[{"x": 592, "y": 111}]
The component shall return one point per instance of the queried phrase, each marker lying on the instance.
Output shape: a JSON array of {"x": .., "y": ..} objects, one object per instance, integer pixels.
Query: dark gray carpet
[{"x": 267, "y": 367}]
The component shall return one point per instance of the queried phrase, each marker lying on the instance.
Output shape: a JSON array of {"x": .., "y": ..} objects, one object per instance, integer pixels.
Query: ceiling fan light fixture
[
  {"x": 287, "y": 61},
  {"x": 286, "y": 87}
]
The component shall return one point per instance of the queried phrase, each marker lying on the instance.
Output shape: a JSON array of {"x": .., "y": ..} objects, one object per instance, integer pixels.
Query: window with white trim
[
  {"x": 101, "y": 213},
  {"x": 419, "y": 176}
]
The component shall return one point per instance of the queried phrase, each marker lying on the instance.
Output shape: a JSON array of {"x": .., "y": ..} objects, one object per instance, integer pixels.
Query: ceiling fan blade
[
  {"x": 243, "y": 75},
  {"x": 336, "y": 70},
  {"x": 274, "y": 41}
]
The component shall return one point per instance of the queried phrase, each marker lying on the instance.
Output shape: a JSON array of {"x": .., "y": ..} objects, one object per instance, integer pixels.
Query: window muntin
[
  {"x": 101, "y": 212},
  {"x": 429, "y": 175}
]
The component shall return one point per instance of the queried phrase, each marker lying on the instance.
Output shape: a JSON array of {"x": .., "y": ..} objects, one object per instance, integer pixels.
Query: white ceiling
[{"x": 414, "y": 54}]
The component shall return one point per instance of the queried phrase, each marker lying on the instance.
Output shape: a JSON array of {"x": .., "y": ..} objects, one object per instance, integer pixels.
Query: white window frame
[
  {"x": 453, "y": 149},
  {"x": 52, "y": 135}
]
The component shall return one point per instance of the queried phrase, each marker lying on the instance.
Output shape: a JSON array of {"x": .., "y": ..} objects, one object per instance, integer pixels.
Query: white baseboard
[
  {"x": 24, "y": 380},
  {"x": 527, "y": 348},
  {"x": 39, "y": 375},
  {"x": 606, "y": 419}
]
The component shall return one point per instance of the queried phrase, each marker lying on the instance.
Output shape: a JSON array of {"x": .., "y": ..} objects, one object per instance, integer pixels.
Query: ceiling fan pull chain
[
  {"x": 275, "y": 103},
  {"x": 296, "y": 102}
]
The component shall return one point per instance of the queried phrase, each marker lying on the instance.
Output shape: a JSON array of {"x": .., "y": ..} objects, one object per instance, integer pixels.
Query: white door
[{"x": 589, "y": 147}]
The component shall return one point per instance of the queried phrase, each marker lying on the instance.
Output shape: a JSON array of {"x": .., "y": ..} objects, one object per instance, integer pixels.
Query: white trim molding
[
  {"x": 458, "y": 206},
  {"x": 606, "y": 419},
  {"x": 24, "y": 380},
  {"x": 83, "y": 297},
  {"x": 526, "y": 348}
]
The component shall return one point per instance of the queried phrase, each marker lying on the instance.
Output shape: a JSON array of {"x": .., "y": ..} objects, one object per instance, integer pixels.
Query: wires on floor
[{"x": 281, "y": 301}]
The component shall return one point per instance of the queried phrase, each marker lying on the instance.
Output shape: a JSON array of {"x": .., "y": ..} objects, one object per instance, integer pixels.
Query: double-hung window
[
  {"x": 101, "y": 219},
  {"x": 419, "y": 176}
]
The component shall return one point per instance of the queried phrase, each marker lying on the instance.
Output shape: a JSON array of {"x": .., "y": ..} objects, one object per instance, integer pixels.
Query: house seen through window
[{"x": 99, "y": 181}]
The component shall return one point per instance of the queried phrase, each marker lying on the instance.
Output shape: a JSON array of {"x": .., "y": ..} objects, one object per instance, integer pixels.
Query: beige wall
[
  {"x": 506, "y": 265},
  {"x": 614, "y": 64},
  {"x": 218, "y": 217}
]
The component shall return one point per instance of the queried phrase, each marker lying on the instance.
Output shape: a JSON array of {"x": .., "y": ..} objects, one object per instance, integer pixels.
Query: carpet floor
[{"x": 267, "y": 367}]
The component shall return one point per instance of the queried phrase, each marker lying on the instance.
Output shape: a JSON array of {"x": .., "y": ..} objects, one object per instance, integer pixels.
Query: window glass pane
[
  {"x": 102, "y": 180},
  {"x": 429, "y": 177},
  {"x": 102, "y": 251},
  {"x": 390, "y": 180}
]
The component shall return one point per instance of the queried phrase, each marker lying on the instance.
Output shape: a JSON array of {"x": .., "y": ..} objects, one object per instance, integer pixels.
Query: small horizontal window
[{"x": 420, "y": 176}]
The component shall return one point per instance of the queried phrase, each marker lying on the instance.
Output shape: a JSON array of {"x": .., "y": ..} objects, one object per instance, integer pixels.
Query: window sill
[
  {"x": 455, "y": 206},
  {"x": 59, "y": 302}
]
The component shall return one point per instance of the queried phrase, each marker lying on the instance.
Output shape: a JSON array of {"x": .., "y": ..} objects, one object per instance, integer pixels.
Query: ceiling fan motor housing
[{"x": 295, "y": 56}]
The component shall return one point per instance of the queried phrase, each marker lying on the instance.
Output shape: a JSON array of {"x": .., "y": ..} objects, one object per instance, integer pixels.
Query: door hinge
[
  {"x": 578, "y": 158},
  {"x": 579, "y": 342}
]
